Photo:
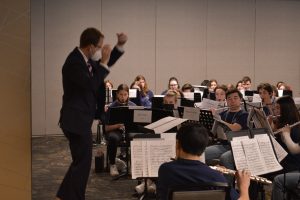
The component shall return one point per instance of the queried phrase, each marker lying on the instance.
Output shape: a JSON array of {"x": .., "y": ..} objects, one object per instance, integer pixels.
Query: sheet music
[
  {"x": 267, "y": 152},
  {"x": 279, "y": 150},
  {"x": 142, "y": 116},
  {"x": 165, "y": 124},
  {"x": 255, "y": 154},
  {"x": 159, "y": 152},
  {"x": 132, "y": 93},
  {"x": 188, "y": 95},
  {"x": 239, "y": 155},
  {"x": 191, "y": 113},
  {"x": 256, "y": 98},
  {"x": 136, "y": 158},
  {"x": 254, "y": 158},
  {"x": 207, "y": 104},
  {"x": 148, "y": 154},
  {"x": 145, "y": 160},
  {"x": 168, "y": 136},
  {"x": 240, "y": 138}
]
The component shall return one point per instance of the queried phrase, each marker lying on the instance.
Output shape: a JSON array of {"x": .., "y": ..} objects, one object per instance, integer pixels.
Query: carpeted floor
[{"x": 50, "y": 161}]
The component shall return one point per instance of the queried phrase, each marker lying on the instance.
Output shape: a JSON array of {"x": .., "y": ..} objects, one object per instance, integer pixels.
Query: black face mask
[{"x": 168, "y": 106}]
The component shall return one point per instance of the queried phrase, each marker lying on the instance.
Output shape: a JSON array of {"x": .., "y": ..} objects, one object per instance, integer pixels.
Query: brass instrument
[
  {"x": 232, "y": 173},
  {"x": 291, "y": 126}
]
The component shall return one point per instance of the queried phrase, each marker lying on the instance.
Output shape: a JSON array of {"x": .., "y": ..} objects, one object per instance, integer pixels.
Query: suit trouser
[{"x": 74, "y": 183}]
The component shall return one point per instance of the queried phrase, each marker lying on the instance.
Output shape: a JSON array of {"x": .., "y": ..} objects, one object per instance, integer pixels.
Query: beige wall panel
[
  {"x": 137, "y": 19},
  {"x": 278, "y": 43},
  {"x": 38, "y": 67},
  {"x": 64, "y": 22},
  {"x": 230, "y": 40},
  {"x": 180, "y": 42},
  {"x": 15, "y": 133}
]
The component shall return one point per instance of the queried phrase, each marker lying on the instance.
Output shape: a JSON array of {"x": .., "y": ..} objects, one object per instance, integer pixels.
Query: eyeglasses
[{"x": 173, "y": 85}]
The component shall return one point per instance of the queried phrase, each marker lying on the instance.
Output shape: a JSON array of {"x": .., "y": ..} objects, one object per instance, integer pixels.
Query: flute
[
  {"x": 291, "y": 126},
  {"x": 232, "y": 172}
]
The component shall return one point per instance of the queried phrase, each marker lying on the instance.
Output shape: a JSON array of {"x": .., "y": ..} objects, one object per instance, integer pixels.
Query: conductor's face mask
[{"x": 97, "y": 55}]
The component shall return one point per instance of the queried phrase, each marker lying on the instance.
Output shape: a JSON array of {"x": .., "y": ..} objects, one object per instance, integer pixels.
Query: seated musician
[
  {"x": 288, "y": 114},
  {"x": 284, "y": 184},
  {"x": 170, "y": 99},
  {"x": 187, "y": 88},
  {"x": 265, "y": 91},
  {"x": 191, "y": 141},
  {"x": 113, "y": 132},
  {"x": 220, "y": 92},
  {"x": 145, "y": 94},
  {"x": 235, "y": 119}
]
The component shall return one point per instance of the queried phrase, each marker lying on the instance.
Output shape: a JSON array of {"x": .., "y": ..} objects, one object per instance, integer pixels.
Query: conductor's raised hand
[
  {"x": 122, "y": 38},
  {"x": 106, "y": 51}
]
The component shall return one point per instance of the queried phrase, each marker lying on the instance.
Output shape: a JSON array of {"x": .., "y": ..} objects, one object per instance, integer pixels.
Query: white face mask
[{"x": 97, "y": 55}]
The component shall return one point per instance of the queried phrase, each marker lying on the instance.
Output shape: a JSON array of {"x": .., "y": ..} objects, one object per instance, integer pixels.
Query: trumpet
[
  {"x": 232, "y": 173},
  {"x": 291, "y": 126}
]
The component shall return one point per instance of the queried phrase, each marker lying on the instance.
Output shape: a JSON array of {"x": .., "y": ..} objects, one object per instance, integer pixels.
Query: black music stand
[
  {"x": 206, "y": 118},
  {"x": 157, "y": 102}
]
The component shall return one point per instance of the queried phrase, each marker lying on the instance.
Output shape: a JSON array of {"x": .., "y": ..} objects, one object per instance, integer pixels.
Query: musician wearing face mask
[
  {"x": 113, "y": 132},
  {"x": 83, "y": 75}
]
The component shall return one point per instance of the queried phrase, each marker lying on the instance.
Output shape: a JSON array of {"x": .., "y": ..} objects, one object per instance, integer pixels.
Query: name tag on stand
[{"x": 142, "y": 116}]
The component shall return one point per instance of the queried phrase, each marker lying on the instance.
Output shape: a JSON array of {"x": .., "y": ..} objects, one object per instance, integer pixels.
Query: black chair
[{"x": 203, "y": 191}]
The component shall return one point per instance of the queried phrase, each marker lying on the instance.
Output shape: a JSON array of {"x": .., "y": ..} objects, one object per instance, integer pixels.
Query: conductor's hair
[
  {"x": 192, "y": 138},
  {"x": 90, "y": 36}
]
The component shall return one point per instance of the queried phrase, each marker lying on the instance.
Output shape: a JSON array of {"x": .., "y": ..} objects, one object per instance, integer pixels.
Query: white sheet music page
[
  {"x": 165, "y": 124},
  {"x": 279, "y": 150},
  {"x": 191, "y": 113},
  {"x": 255, "y": 161},
  {"x": 145, "y": 160},
  {"x": 188, "y": 95},
  {"x": 136, "y": 158},
  {"x": 132, "y": 93},
  {"x": 142, "y": 116},
  {"x": 207, "y": 104},
  {"x": 159, "y": 152},
  {"x": 267, "y": 152},
  {"x": 239, "y": 155},
  {"x": 159, "y": 122}
]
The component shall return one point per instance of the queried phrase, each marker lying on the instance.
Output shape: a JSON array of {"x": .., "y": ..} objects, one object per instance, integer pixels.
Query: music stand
[
  {"x": 157, "y": 102},
  {"x": 206, "y": 119}
]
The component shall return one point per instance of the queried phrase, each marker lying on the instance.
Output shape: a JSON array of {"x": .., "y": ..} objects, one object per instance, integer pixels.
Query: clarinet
[{"x": 232, "y": 173}]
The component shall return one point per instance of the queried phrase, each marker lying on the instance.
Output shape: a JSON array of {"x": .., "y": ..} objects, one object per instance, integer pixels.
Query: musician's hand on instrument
[
  {"x": 243, "y": 179},
  {"x": 286, "y": 130},
  {"x": 121, "y": 127}
]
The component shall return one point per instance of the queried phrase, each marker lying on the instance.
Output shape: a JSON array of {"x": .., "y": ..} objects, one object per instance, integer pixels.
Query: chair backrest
[{"x": 203, "y": 191}]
